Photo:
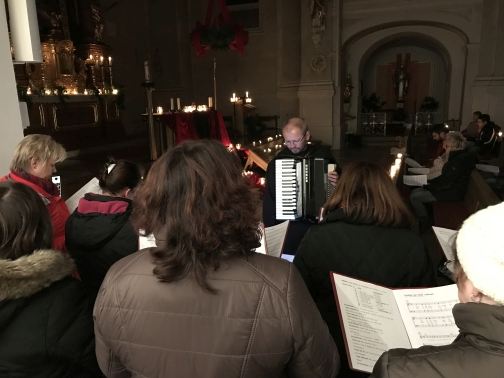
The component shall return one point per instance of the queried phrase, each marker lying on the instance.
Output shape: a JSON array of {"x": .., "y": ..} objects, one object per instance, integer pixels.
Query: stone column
[
  {"x": 12, "y": 129},
  {"x": 316, "y": 90},
  {"x": 488, "y": 87}
]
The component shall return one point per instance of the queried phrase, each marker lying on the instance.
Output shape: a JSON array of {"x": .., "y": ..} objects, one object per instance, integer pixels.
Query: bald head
[{"x": 296, "y": 134}]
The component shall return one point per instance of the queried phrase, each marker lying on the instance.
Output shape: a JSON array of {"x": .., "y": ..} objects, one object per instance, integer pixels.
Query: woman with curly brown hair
[{"x": 203, "y": 303}]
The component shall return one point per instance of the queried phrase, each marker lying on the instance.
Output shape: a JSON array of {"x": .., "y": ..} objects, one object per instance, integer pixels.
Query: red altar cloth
[{"x": 197, "y": 125}]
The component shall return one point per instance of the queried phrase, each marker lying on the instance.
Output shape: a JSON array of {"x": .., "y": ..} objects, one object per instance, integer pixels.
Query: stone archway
[{"x": 446, "y": 42}]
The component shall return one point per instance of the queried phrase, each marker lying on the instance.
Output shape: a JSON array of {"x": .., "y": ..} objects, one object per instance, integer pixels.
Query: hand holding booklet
[
  {"x": 273, "y": 239},
  {"x": 375, "y": 319}
]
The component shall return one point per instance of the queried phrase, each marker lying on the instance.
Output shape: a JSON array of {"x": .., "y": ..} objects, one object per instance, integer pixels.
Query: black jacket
[
  {"x": 454, "y": 179},
  {"x": 46, "y": 324},
  {"x": 478, "y": 351},
  {"x": 487, "y": 138},
  {"x": 392, "y": 257},
  {"x": 312, "y": 151},
  {"x": 98, "y": 234}
]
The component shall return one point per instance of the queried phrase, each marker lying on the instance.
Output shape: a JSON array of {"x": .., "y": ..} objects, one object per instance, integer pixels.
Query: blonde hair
[
  {"x": 39, "y": 147},
  {"x": 456, "y": 140}
]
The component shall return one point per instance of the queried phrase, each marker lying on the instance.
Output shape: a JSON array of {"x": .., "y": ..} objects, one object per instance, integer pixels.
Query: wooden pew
[{"x": 452, "y": 214}]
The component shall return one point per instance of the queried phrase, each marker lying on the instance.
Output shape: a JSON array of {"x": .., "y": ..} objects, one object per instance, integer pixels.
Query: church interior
[{"x": 413, "y": 88}]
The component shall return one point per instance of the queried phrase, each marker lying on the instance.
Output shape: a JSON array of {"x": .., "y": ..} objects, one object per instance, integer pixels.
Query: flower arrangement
[{"x": 221, "y": 34}]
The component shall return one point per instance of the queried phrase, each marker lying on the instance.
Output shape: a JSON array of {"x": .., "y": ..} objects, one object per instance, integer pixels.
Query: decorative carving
[
  {"x": 319, "y": 63},
  {"x": 318, "y": 20}
]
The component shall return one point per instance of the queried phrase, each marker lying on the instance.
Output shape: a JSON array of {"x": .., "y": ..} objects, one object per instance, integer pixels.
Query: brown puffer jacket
[
  {"x": 477, "y": 352},
  {"x": 261, "y": 323}
]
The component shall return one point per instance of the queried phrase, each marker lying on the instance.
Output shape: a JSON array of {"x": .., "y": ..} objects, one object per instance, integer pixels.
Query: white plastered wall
[{"x": 11, "y": 127}]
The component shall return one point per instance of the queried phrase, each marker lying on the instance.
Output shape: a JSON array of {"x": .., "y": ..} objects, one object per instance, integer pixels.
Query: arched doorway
[{"x": 438, "y": 55}]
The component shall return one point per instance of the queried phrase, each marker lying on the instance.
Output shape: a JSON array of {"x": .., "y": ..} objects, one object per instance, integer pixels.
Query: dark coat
[
  {"x": 478, "y": 351},
  {"x": 454, "y": 180},
  {"x": 46, "y": 324},
  {"x": 269, "y": 208},
  {"x": 487, "y": 138},
  {"x": 261, "y": 322},
  {"x": 387, "y": 256},
  {"x": 98, "y": 234}
]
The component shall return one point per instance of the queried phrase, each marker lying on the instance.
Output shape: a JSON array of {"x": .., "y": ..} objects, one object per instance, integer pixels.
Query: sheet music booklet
[
  {"x": 375, "y": 319},
  {"x": 412, "y": 163},
  {"x": 92, "y": 186},
  {"x": 415, "y": 180},
  {"x": 273, "y": 239},
  {"x": 446, "y": 237}
]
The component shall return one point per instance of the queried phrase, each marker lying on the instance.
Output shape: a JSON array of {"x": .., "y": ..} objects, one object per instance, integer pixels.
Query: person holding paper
[
  {"x": 451, "y": 185},
  {"x": 203, "y": 303},
  {"x": 365, "y": 235},
  {"x": 478, "y": 351},
  {"x": 99, "y": 232},
  {"x": 33, "y": 164}
]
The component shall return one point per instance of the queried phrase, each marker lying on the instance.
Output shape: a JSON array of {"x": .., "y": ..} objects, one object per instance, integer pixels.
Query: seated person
[
  {"x": 366, "y": 235},
  {"x": 99, "y": 231},
  {"x": 471, "y": 132},
  {"x": 439, "y": 132},
  {"x": 451, "y": 185},
  {"x": 296, "y": 145},
  {"x": 203, "y": 303},
  {"x": 478, "y": 351},
  {"x": 452, "y": 142},
  {"x": 33, "y": 164},
  {"x": 46, "y": 324},
  {"x": 488, "y": 135}
]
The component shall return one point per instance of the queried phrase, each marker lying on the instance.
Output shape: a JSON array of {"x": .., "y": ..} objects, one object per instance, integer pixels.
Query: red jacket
[{"x": 58, "y": 210}]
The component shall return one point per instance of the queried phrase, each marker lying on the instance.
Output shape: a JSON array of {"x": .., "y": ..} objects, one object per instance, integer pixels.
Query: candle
[
  {"x": 253, "y": 144},
  {"x": 101, "y": 59},
  {"x": 172, "y": 104},
  {"x": 246, "y": 94},
  {"x": 238, "y": 145},
  {"x": 210, "y": 102},
  {"x": 85, "y": 92},
  {"x": 398, "y": 162},
  {"x": 178, "y": 102},
  {"x": 28, "y": 91},
  {"x": 147, "y": 71},
  {"x": 109, "y": 60},
  {"x": 500, "y": 134},
  {"x": 90, "y": 56},
  {"x": 159, "y": 110}
]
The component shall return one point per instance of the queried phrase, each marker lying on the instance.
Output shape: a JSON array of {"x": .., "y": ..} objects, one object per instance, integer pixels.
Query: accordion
[{"x": 302, "y": 187}]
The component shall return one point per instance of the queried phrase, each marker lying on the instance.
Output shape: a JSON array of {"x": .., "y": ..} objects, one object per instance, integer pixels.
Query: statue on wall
[
  {"x": 401, "y": 83},
  {"x": 401, "y": 79},
  {"x": 318, "y": 20}
]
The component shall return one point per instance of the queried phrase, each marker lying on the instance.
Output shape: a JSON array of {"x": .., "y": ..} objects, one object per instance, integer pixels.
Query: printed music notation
[
  {"x": 433, "y": 321},
  {"x": 422, "y": 307}
]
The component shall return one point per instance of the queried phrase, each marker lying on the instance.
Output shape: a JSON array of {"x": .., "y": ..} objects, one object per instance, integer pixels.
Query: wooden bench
[{"x": 452, "y": 214}]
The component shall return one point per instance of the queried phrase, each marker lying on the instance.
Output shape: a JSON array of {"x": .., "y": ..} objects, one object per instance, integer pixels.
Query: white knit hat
[{"x": 480, "y": 250}]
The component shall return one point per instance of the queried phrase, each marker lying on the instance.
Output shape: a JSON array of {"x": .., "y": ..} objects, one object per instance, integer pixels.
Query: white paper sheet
[
  {"x": 488, "y": 168},
  {"x": 146, "y": 241},
  {"x": 371, "y": 319},
  {"x": 92, "y": 186},
  {"x": 415, "y": 180},
  {"x": 427, "y": 314},
  {"x": 445, "y": 237},
  {"x": 412, "y": 163},
  {"x": 275, "y": 237},
  {"x": 419, "y": 171}
]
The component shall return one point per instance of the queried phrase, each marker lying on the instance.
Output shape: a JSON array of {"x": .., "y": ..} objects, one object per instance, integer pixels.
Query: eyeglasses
[{"x": 294, "y": 142}]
